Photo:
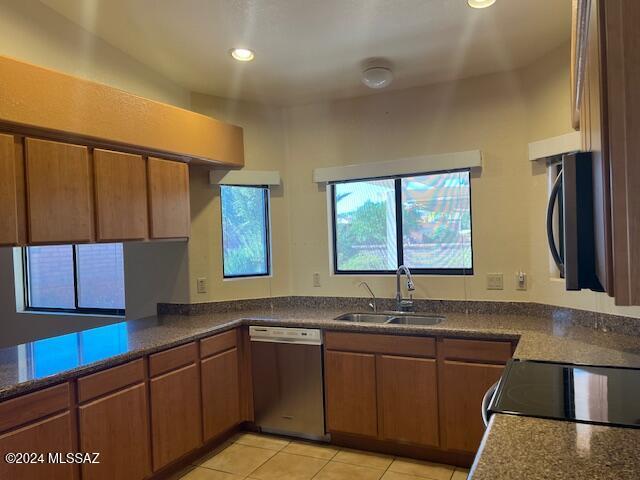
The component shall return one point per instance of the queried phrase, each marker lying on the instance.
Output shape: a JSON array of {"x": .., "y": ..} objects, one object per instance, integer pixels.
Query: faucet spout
[
  {"x": 402, "y": 304},
  {"x": 373, "y": 304}
]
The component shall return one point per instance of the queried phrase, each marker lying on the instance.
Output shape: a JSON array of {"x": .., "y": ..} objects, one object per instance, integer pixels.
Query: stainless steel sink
[
  {"x": 366, "y": 317},
  {"x": 394, "y": 318},
  {"x": 416, "y": 320}
]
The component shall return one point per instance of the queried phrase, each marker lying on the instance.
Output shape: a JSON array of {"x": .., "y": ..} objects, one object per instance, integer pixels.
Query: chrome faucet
[
  {"x": 372, "y": 304},
  {"x": 403, "y": 305}
]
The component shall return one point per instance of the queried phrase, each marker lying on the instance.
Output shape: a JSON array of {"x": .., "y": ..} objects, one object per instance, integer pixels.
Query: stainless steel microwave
[{"x": 573, "y": 194}]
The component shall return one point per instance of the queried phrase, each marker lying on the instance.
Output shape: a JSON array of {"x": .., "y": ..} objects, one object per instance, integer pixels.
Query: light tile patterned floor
[{"x": 264, "y": 457}]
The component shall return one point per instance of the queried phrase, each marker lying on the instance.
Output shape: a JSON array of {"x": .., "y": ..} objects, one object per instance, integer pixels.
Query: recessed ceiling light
[
  {"x": 480, "y": 3},
  {"x": 242, "y": 54}
]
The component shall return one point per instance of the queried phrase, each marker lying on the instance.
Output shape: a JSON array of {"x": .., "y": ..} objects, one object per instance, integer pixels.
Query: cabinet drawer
[
  {"x": 33, "y": 406},
  {"x": 478, "y": 350},
  {"x": 385, "y": 344},
  {"x": 172, "y": 359},
  {"x": 218, "y": 343},
  {"x": 110, "y": 380}
]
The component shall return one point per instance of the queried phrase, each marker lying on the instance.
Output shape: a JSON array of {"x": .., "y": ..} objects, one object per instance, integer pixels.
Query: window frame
[
  {"x": 267, "y": 232},
  {"x": 78, "y": 310},
  {"x": 399, "y": 225}
]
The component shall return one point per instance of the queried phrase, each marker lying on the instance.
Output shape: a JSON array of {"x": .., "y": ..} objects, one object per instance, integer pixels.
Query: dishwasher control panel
[{"x": 305, "y": 336}]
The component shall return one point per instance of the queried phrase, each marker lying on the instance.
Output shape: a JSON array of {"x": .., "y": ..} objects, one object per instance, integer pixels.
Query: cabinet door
[
  {"x": 176, "y": 420},
  {"x": 169, "y": 213},
  {"x": 462, "y": 387},
  {"x": 59, "y": 192},
  {"x": 51, "y": 435},
  {"x": 12, "y": 214},
  {"x": 408, "y": 400},
  {"x": 350, "y": 381},
  {"x": 117, "y": 426},
  {"x": 220, "y": 393},
  {"x": 121, "y": 196}
]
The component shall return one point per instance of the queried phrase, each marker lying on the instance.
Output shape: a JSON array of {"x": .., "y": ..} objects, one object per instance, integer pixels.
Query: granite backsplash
[{"x": 598, "y": 321}]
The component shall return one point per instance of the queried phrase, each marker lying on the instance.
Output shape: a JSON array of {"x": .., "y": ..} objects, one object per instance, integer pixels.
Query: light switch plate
[
  {"x": 202, "y": 285},
  {"x": 521, "y": 281},
  {"x": 316, "y": 279},
  {"x": 495, "y": 281}
]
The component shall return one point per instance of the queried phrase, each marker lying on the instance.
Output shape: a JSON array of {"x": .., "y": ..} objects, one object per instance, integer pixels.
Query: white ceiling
[{"x": 307, "y": 50}]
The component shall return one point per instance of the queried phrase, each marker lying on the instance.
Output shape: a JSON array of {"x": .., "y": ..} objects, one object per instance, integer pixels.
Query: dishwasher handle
[{"x": 294, "y": 336}]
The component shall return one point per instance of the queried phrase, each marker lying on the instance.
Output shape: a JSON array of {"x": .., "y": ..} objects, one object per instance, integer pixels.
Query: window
[
  {"x": 423, "y": 222},
  {"x": 245, "y": 231},
  {"x": 74, "y": 278}
]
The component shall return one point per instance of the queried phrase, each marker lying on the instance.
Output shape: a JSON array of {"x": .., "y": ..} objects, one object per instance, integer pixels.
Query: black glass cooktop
[{"x": 601, "y": 395}]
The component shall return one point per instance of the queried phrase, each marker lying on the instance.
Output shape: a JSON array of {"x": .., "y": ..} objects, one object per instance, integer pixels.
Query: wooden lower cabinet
[
  {"x": 462, "y": 386},
  {"x": 220, "y": 393},
  {"x": 350, "y": 383},
  {"x": 408, "y": 400},
  {"x": 54, "y": 434},
  {"x": 176, "y": 418},
  {"x": 117, "y": 426}
]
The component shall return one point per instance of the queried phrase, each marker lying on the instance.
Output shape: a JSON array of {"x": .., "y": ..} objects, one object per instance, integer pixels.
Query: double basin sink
[{"x": 391, "y": 318}]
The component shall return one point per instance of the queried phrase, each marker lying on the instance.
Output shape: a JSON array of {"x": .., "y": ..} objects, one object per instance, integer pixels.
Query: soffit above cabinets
[
  {"x": 403, "y": 166},
  {"x": 37, "y": 101}
]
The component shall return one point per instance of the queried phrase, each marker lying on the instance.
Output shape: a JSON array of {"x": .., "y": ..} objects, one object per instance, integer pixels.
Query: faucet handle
[{"x": 406, "y": 306}]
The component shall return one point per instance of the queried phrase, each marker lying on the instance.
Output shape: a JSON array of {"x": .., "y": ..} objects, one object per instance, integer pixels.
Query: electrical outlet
[
  {"x": 521, "y": 281},
  {"x": 316, "y": 279},
  {"x": 495, "y": 281},
  {"x": 202, "y": 285}
]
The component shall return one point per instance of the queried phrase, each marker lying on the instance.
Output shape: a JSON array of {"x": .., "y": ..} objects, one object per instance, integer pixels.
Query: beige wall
[
  {"x": 264, "y": 141},
  {"x": 32, "y": 32},
  {"x": 498, "y": 114},
  {"x": 486, "y": 113}
]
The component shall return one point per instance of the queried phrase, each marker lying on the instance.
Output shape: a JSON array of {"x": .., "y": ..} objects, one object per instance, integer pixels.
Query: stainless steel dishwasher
[{"x": 288, "y": 392}]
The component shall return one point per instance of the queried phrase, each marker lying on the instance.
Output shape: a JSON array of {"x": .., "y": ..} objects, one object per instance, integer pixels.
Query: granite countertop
[
  {"x": 525, "y": 448},
  {"x": 30, "y": 366},
  {"x": 514, "y": 447}
]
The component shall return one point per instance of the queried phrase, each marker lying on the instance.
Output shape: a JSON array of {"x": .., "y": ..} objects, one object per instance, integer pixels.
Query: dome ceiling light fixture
[
  {"x": 480, "y": 3},
  {"x": 242, "y": 54},
  {"x": 377, "y": 77}
]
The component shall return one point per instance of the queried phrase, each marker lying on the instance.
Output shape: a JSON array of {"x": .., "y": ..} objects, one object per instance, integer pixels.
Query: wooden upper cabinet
[
  {"x": 12, "y": 199},
  {"x": 408, "y": 400},
  {"x": 121, "y": 196},
  {"x": 462, "y": 387},
  {"x": 350, "y": 383},
  {"x": 58, "y": 192},
  {"x": 605, "y": 76},
  {"x": 169, "y": 211}
]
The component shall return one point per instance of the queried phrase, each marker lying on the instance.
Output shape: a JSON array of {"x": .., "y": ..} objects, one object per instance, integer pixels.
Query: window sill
[
  {"x": 248, "y": 277},
  {"x": 69, "y": 314}
]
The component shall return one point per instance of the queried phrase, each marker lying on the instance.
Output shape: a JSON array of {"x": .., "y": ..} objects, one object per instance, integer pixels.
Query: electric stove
[{"x": 590, "y": 394}]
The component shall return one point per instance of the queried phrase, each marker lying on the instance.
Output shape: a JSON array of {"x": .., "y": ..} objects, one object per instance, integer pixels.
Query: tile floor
[{"x": 262, "y": 457}]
